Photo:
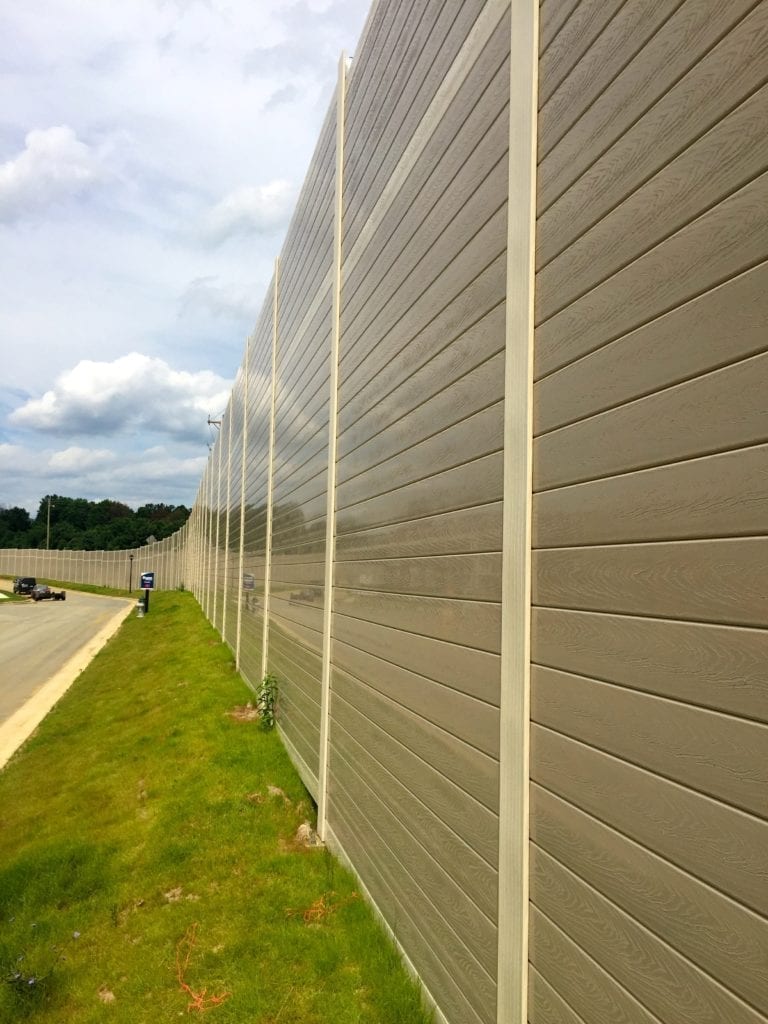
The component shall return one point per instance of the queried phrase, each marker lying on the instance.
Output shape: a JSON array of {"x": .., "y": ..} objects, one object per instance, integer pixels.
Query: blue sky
[{"x": 150, "y": 156}]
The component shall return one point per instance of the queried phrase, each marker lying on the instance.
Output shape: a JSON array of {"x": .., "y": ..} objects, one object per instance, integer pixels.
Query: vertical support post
[
  {"x": 226, "y": 531},
  {"x": 333, "y": 412},
  {"x": 514, "y": 813},
  {"x": 218, "y": 529},
  {"x": 273, "y": 405},
  {"x": 243, "y": 462},
  {"x": 209, "y": 539}
]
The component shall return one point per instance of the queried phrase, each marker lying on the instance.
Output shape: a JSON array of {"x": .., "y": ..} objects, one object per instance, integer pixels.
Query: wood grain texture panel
[
  {"x": 722, "y": 243},
  {"x": 467, "y": 867},
  {"x": 722, "y": 937},
  {"x": 623, "y": 37},
  {"x": 301, "y": 671},
  {"x": 475, "y": 624},
  {"x": 552, "y": 15},
  {"x": 465, "y": 928},
  {"x": 665, "y": 982},
  {"x": 309, "y": 574},
  {"x": 478, "y": 435},
  {"x": 721, "y": 496},
  {"x": 299, "y": 731},
  {"x": 472, "y": 577},
  {"x": 713, "y": 581},
  {"x": 474, "y": 772},
  {"x": 467, "y": 718},
  {"x": 454, "y": 533},
  {"x": 727, "y": 158},
  {"x": 723, "y": 757},
  {"x": 433, "y": 57},
  {"x": 299, "y": 618},
  {"x": 469, "y": 671},
  {"x": 585, "y": 23},
  {"x": 390, "y": 396},
  {"x": 722, "y": 326},
  {"x": 722, "y": 410},
  {"x": 463, "y": 814},
  {"x": 678, "y": 49},
  {"x": 720, "y": 845},
  {"x": 369, "y": 99},
  {"x": 361, "y": 447},
  {"x": 579, "y": 979},
  {"x": 472, "y": 317},
  {"x": 544, "y": 1004},
  {"x": 475, "y": 483},
  {"x": 439, "y": 205},
  {"x": 396, "y": 909},
  {"x": 418, "y": 306}
]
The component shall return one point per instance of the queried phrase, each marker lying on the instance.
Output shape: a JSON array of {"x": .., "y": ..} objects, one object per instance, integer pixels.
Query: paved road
[{"x": 37, "y": 638}]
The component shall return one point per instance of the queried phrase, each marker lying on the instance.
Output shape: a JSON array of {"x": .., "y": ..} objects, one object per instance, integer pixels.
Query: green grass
[{"x": 139, "y": 814}]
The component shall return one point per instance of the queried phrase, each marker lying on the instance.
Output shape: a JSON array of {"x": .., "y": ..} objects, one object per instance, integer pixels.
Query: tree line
[{"x": 82, "y": 525}]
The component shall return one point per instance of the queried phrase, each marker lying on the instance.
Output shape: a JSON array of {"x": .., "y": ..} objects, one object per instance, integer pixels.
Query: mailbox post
[{"x": 147, "y": 584}]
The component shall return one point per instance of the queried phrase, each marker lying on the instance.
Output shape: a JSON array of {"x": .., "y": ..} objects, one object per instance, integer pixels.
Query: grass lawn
[{"x": 147, "y": 870}]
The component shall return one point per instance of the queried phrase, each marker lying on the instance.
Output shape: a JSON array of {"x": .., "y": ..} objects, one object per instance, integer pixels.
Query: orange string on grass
[{"x": 200, "y": 1001}]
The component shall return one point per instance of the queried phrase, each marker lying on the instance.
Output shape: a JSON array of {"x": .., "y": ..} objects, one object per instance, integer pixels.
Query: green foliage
[
  {"x": 142, "y": 808},
  {"x": 266, "y": 701},
  {"x": 83, "y": 525}
]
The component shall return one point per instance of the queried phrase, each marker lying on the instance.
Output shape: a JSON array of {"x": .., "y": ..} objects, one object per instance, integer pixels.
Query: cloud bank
[{"x": 128, "y": 395}]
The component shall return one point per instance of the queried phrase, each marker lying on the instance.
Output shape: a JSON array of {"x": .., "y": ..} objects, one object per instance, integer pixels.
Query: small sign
[
  {"x": 147, "y": 581},
  {"x": 249, "y": 581}
]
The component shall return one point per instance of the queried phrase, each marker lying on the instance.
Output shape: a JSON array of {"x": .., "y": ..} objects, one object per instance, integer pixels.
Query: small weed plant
[{"x": 266, "y": 702}]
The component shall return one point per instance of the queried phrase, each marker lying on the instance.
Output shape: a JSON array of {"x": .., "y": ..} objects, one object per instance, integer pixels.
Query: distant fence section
[
  {"x": 166, "y": 558},
  {"x": 490, "y": 501}
]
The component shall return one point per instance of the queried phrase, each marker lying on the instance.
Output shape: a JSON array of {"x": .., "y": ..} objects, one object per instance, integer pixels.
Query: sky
[{"x": 151, "y": 152}]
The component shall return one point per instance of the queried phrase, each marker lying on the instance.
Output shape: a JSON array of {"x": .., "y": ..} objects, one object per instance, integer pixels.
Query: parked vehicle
[
  {"x": 24, "y": 584},
  {"x": 42, "y": 592}
]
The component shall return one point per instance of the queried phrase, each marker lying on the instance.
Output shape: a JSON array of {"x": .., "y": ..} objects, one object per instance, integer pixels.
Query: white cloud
[
  {"x": 205, "y": 296},
  {"x": 131, "y": 394},
  {"x": 53, "y": 166},
  {"x": 80, "y": 460},
  {"x": 253, "y": 209}
]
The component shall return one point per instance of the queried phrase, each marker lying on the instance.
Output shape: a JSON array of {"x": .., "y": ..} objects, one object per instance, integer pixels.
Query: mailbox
[{"x": 147, "y": 581}]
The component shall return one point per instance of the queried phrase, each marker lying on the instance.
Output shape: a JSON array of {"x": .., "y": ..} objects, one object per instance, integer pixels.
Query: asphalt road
[{"x": 38, "y": 638}]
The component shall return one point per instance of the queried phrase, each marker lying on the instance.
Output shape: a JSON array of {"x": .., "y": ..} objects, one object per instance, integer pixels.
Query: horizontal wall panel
[
  {"x": 693, "y": 831},
  {"x": 476, "y": 773},
  {"x": 472, "y": 577},
  {"x": 464, "y": 669},
  {"x": 730, "y": 155},
  {"x": 583, "y": 984},
  {"x": 720, "y": 327},
  {"x": 468, "y": 719},
  {"x": 476, "y": 483},
  {"x": 467, "y": 327},
  {"x": 621, "y": 39},
  {"x": 722, "y": 410},
  {"x": 471, "y": 820},
  {"x": 462, "y": 532},
  {"x": 714, "y": 581},
  {"x": 724, "y": 757},
  {"x": 665, "y": 77},
  {"x": 472, "y": 438},
  {"x": 460, "y": 916},
  {"x": 726, "y": 939},
  {"x": 310, "y": 574},
  {"x": 552, "y": 17},
  {"x": 476, "y": 877},
  {"x": 722, "y": 242},
  {"x": 385, "y": 890},
  {"x": 544, "y": 1004},
  {"x": 458, "y": 400},
  {"x": 472, "y": 623},
  {"x": 414, "y": 310},
  {"x": 671, "y": 987},
  {"x": 585, "y": 23},
  {"x": 719, "y": 667},
  {"x": 722, "y": 495}
]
